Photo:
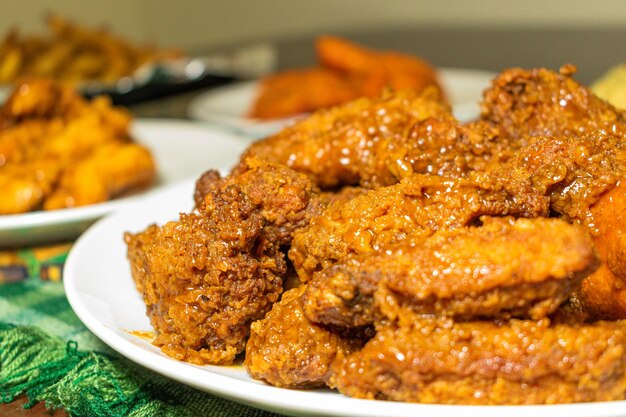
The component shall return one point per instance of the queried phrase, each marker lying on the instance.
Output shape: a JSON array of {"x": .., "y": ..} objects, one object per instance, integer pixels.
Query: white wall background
[{"x": 205, "y": 24}]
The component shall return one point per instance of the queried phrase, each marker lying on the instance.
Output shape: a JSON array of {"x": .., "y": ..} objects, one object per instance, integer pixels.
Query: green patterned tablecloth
[{"x": 47, "y": 354}]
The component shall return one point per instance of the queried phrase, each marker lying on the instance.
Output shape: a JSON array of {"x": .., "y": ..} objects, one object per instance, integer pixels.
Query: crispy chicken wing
[
  {"x": 540, "y": 102},
  {"x": 512, "y": 362},
  {"x": 419, "y": 204},
  {"x": 504, "y": 268}
]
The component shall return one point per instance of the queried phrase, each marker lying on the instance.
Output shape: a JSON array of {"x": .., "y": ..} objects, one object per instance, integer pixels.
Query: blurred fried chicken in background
[
  {"x": 74, "y": 54},
  {"x": 346, "y": 71},
  {"x": 58, "y": 150}
]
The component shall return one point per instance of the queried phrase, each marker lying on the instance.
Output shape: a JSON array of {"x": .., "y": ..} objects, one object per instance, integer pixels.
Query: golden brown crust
[
  {"x": 502, "y": 269},
  {"x": 515, "y": 362},
  {"x": 287, "y": 350},
  {"x": 207, "y": 276}
]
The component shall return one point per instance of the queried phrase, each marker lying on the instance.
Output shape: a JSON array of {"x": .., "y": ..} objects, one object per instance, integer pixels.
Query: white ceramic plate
[
  {"x": 228, "y": 106},
  {"x": 101, "y": 292},
  {"x": 181, "y": 149}
]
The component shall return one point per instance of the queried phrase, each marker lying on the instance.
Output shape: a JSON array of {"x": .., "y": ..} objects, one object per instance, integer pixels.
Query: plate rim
[{"x": 258, "y": 394}]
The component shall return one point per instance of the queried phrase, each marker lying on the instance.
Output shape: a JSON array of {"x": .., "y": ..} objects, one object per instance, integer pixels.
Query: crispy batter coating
[
  {"x": 58, "y": 150},
  {"x": 345, "y": 145},
  {"x": 539, "y": 102},
  {"x": 513, "y": 362},
  {"x": 419, "y": 204},
  {"x": 287, "y": 350},
  {"x": 207, "y": 276},
  {"x": 339, "y": 146},
  {"x": 502, "y": 269},
  {"x": 572, "y": 172}
]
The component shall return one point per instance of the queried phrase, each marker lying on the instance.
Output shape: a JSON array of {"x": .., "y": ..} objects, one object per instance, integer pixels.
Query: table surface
[{"x": 591, "y": 50}]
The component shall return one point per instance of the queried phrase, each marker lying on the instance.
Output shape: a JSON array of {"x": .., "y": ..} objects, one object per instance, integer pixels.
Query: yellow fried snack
[
  {"x": 74, "y": 54},
  {"x": 59, "y": 150}
]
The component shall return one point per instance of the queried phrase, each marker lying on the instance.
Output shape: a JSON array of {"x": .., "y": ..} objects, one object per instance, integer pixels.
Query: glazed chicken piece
[
  {"x": 343, "y": 145},
  {"x": 541, "y": 102},
  {"x": 603, "y": 293},
  {"x": 511, "y": 362},
  {"x": 419, "y": 204},
  {"x": 377, "y": 142},
  {"x": 582, "y": 177},
  {"x": 502, "y": 269},
  {"x": 287, "y": 350},
  {"x": 207, "y": 276}
]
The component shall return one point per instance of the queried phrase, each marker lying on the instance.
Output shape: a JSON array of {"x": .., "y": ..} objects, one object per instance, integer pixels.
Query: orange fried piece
[
  {"x": 540, "y": 102},
  {"x": 346, "y": 71},
  {"x": 346, "y": 145},
  {"x": 206, "y": 277},
  {"x": 512, "y": 362},
  {"x": 300, "y": 91},
  {"x": 502, "y": 269},
  {"x": 419, "y": 204},
  {"x": 287, "y": 350},
  {"x": 603, "y": 293}
]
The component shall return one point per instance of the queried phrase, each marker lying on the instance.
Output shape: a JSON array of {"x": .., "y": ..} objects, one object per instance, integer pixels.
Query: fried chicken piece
[
  {"x": 343, "y": 145},
  {"x": 106, "y": 173},
  {"x": 372, "y": 70},
  {"x": 502, "y": 269},
  {"x": 603, "y": 293},
  {"x": 512, "y": 362},
  {"x": 24, "y": 187},
  {"x": 572, "y": 172},
  {"x": 541, "y": 102},
  {"x": 294, "y": 92},
  {"x": 330, "y": 146},
  {"x": 207, "y": 276},
  {"x": 419, "y": 204},
  {"x": 286, "y": 350},
  {"x": 51, "y": 137}
]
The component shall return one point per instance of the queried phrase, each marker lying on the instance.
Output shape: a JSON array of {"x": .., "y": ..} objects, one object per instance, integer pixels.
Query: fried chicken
[
  {"x": 603, "y": 293},
  {"x": 345, "y": 145},
  {"x": 287, "y": 350},
  {"x": 420, "y": 204},
  {"x": 207, "y": 276},
  {"x": 59, "y": 150},
  {"x": 512, "y": 362},
  {"x": 541, "y": 102},
  {"x": 502, "y": 269}
]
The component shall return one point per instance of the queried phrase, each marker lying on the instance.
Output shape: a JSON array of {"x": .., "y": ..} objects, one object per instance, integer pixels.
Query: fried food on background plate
[
  {"x": 58, "y": 150},
  {"x": 346, "y": 71},
  {"x": 74, "y": 54}
]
